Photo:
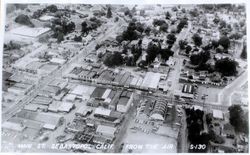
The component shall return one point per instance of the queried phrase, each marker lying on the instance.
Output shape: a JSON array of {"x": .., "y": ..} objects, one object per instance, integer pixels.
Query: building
[
  {"x": 58, "y": 61},
  {"x": 58, "y": 106},
  {"x": 159, "y": 111},
  {"x": 218, "y": 114},
  {"x": 187, "y": 88},
  {"x": 151, "y": 81},
  {"x": 46, "y": 18},
  {"x": 106, "y": 131},
  {"x": 107, "y": 114},
  {"x": 29, "y": 32},
  {"x": 125, "y": 101},
  {"x": 20, "y": 88}
]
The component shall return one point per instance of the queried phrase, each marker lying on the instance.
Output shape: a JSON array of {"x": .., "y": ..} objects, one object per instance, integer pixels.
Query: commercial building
[
  {"x": 106, "y": 131},
  {"x": 20, "y": 88},
  {"x": 58, "y": 106},
  {"x": 159, "y": 111},
  {"x": 125, "y": 101},
  {"x": 39, "y": 119},
  {"x": 151, "y": 81},
  {"x": 30, "y": 32},
  {"x": 218, "y": 114},
  {"x": 107, "y": 114}
]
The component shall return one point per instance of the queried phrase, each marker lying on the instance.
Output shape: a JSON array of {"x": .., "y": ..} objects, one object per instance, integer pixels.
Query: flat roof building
[
  {"x": 106, "y": 131},
  {"x": 217, "y": 114},
  {"x": 151, "y": 80}
]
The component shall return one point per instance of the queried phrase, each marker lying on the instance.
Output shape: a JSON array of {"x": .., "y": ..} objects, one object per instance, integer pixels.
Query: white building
[
  {"x": 151, "y": 80},
  {"x": 106, "y": 131},
  {"x": 125, "y": 102}
]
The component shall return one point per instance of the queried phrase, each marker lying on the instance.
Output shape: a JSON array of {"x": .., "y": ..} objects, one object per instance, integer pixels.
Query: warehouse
[
  {"x": 20, "y": 88},
  {"x": 125, "y": 101},
  {"x": 30, "y": 32},
  {"x": 106, "y": 131},
  {"x": 108, "y": 114},
  {"x": 151, "y": 81}
]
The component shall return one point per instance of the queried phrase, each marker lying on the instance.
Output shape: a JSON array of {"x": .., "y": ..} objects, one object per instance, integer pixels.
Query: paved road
[
  {"x": 224, "y": 98},
  {"x": 58, "y": 73}
]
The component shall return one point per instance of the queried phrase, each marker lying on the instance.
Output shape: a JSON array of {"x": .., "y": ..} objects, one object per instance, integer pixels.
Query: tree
[
  {"x": 114, "y": 59},
  {"x": 60, "y": 37},
  {"x": 85, "y": 29},
  {"x": 130, "y": 33},
  {"x": 24, "y": 20},
  {"x": 188, "y": 49},
  {"x": 223, "y": 24},
  {"x": 181, "y": 25},
  {"x": 147, "y": 30},
  {"x": 164, "y": 27},
  {"x": 68, "y": 27},
  {"x": 52, "y": 8},
  {"x": 152, "y": 51},
  {"x": 237, "y": 118},
  {"x": 226, "y": 66},
  {"x": 197, "y": 39},
  {"x": 215, "y": 44},
  {"x": 194, "y": 12},
  {"x": 77, "y": 38},
  {"x": 166, "y": 53},
  {"x": 224, "y": 41},
  {"x": 159, "y": 22},
  {"x": 171, "y": 38},
  {"x": 182, "y": 44},
  {"x": 244, "y": 52},
  {"x": 167, "y": 15},
  {"x": 216, "y": 20},
  {"x": 109, "y": 13},
  {"x": 200, "y": 58}
]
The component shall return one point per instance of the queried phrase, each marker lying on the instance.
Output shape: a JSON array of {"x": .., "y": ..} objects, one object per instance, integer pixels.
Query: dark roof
[
  {"x": 123, "y": 101},
  {"x": 98, "y": 92}
]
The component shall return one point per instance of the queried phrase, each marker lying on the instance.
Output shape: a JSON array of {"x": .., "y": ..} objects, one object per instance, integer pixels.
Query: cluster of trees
[
  {"x": 136, "y": 51},
  {"x": 51, "y": 8},
  {"x": 113, "y": 59},
  {"x": 133, "y": 32},
  {"x": 12, "y": 46},
  {"x": 200, "y": 58},
  {"x": 194, "y": 12},
  {"x": 182, "y": 24},
  {"x": 238, "y": 119},
  {"x": 195, "y": 126},
  {"x": 61, "y": 28},
  {"x": 212, "y": 135},
  {"x": 162, "y": 23},
  {"x": 90, "y": 25},
  {"x": 24, "y": 20},
  {"x": 153, "y": 50},
  {"x": 226, "y": 67}
]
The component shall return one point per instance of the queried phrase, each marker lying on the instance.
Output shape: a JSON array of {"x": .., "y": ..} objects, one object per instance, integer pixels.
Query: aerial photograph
[{"x": 120, "y": 78}]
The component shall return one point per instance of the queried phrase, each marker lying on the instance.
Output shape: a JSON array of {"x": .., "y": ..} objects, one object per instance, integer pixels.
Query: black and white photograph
[{"x": 124, "y": 78}]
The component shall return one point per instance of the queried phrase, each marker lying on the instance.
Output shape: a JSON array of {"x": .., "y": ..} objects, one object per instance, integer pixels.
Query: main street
[{"x": 58, "y": 73}]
